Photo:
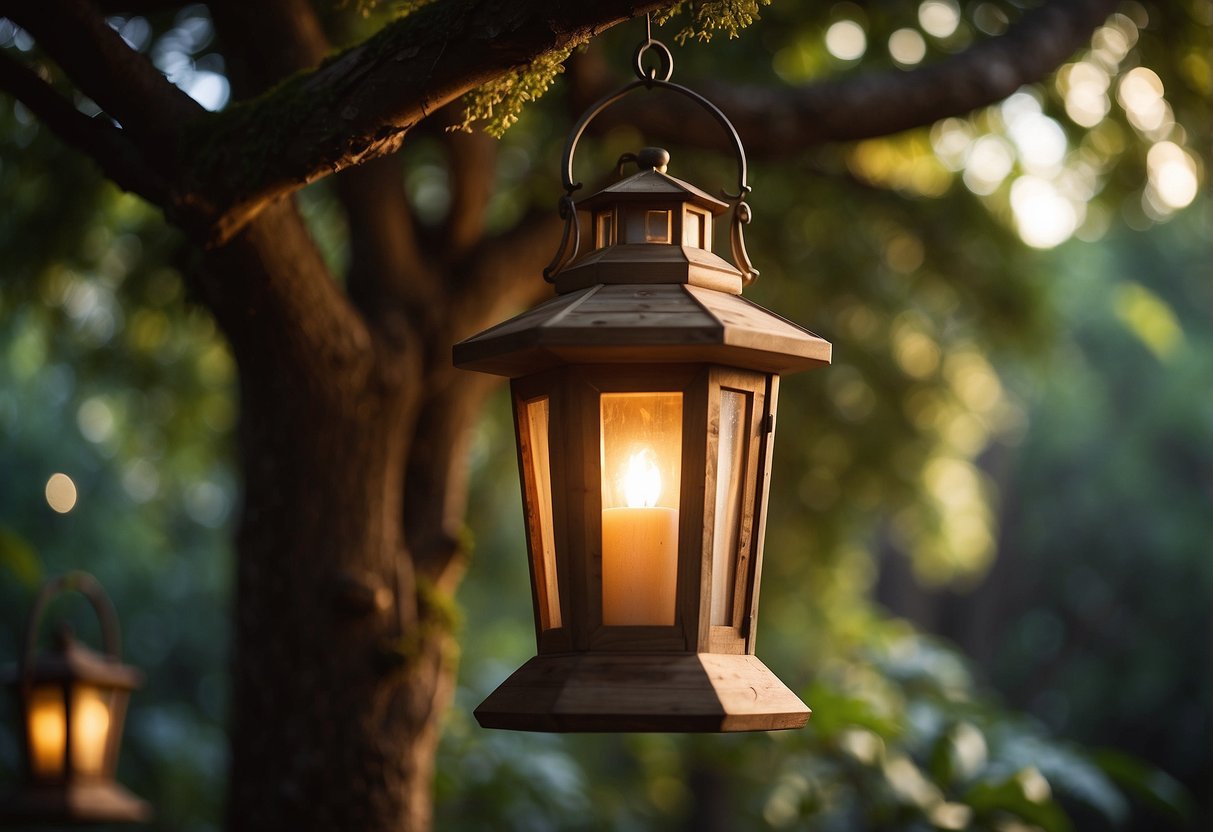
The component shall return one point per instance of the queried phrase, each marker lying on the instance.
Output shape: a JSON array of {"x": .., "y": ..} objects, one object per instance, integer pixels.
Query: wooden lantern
[
  {"x": 644, "y": 400},
  {"x": 72, "y": 706}
]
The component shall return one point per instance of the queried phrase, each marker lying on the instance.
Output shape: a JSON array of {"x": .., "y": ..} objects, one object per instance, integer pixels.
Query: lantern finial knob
[{"x": 653, "y": 158}]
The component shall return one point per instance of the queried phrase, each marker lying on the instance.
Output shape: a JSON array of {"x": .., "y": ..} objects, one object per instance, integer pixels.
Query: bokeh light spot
[
  {"x": 939, "y": 18},
  {"x": 1040, "y": 142},
  {"x": 210, "y": 89},
  {"x": 907, "y": 47},
  {"x": 989, "y": 162},
  {"x": 1141, "y": 94},
  {"x": 95, "y": 420},
  {"x": 846, "y": 40},
  {"x": 1086, "y": 93},
  {"x": 1172, "y": 177},
  {"x": 61, "y": 493},
  {"x": 1043, "y": 216}
]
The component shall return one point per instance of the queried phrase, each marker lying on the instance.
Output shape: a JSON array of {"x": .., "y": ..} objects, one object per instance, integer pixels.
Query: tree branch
[
  {"x": 779, "y": 122},
  {"x": 388, "y": 279},
  {"x": 94, "y": 137},
  {"x": 472, "y": 165},
  {"x": 121, "y": 81},
  {"x": 358, "y": 105},
  {"x": 505, "y": 274},
  {"x": 274, "y": 298}
]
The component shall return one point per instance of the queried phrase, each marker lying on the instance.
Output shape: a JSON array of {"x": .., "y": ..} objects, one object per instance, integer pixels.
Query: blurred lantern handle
[
  {"x": 90, "y": 588},
  {"x": 649, "y": 79}
]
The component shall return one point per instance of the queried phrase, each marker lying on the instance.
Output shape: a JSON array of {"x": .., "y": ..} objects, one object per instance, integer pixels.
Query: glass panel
[
  {"x": 536, "y": 458},
  {"x": 90, "y": 729},
  {"x": 730, "y": 475},
  {"x": 606, "y": 228},
  {"x": 641, "y": 478},
  {"x": 47, "y": 730},
  {"x": 657, "y": 226}
]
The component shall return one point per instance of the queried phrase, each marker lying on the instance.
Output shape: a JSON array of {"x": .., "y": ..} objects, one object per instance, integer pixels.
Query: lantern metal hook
[
  {"x": 659, "y": 78},
  {"x": 90, "y": 588}
]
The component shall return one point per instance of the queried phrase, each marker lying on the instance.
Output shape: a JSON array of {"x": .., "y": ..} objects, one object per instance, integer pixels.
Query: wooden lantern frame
[
  {"x": 572, "y": 619},
  {"x": 636, "y": 315},
  {"x": 69, "y": 793}
]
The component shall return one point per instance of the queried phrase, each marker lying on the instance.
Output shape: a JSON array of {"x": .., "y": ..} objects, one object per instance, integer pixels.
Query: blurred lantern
[
  {"x": 72, "y": 703},
  {"x": 644, "y": 402}
]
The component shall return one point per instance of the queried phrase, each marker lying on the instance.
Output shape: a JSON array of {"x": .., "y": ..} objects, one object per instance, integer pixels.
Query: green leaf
[
  {"x": 1151, "y": 785},
  {"x": 19, "y": 558}
]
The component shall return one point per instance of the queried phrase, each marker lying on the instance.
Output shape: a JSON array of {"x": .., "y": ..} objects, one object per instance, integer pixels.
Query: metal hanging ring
[{"x": 665, "y": 61}]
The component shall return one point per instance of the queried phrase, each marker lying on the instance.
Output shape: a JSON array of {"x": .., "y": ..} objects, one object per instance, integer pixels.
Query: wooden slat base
[{"x": 705, "y": 692}]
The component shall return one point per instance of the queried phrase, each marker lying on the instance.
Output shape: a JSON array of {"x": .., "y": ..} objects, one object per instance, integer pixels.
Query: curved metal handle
[
  {"x": 571, "y": 240},
  {"x": 570, "y": 145},
  {"x": 90, "y": 588}
]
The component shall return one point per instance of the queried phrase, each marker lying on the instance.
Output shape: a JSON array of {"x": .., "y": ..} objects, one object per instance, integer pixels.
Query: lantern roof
[
  {"x": 653, "y": 183},
  {"x": 659, "y": 323},
  {"x": 70, "y": 660}
]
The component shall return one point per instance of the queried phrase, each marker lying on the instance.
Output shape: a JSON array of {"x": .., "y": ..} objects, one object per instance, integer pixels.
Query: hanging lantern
[
  {"x": 72, "y": 704},
  {"x": 644, "y": 401}
]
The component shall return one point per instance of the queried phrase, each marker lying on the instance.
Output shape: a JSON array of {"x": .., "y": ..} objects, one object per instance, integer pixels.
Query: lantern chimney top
[{"x": 653, "y": 158}]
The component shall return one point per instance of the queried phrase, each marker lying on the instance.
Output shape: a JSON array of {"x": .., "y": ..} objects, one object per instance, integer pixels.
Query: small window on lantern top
[
  {"x": 696, "y": 228},
  {"x": 656, "y": 226},
  {"x": 604, "y": 229}
]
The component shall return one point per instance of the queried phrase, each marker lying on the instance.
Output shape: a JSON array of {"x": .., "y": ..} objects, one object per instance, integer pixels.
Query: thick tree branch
[
  {"x": 284, "y": 312},
  {"x": 501, "y": 275},
  {"x": 779, "y": 122},
  {"x": 504, "y": 275},
  {"x": 359, "y": 104},
  {"x": 436, "y": 476},
  {"x": 94, "y": 137},
  {"x": 388, "y": 278},
  {"x": 120, "y": 80}
]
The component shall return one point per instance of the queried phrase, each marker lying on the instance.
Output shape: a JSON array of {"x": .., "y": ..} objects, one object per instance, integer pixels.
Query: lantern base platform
[
  {"x": 86, "y": 801},
  {"x": 705, "y": 692}
]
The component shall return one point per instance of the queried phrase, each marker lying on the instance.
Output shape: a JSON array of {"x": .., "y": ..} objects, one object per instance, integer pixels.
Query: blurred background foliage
[{"x": 988, "y": 558}]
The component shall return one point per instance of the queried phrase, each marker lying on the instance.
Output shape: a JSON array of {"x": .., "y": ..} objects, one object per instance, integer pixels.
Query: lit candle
[
  {"x": 639, "y": 551},
  {"x": 90, "y": 729},
  {"x": 47, "y": 731}
]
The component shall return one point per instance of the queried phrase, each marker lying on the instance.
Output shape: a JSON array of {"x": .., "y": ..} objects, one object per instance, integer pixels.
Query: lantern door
[{"x": 740, "y": 430}]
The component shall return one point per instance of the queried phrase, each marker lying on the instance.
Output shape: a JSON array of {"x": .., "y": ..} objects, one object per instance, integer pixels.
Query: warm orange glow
[
  {"x": 90, "y": 729},
  {"x": 47, "y": 731},
  {"x": 641, "y": 481},
  {"x": 641, "y": 465}
]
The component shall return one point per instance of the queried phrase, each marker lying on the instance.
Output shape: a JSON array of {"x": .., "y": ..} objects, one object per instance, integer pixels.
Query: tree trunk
[{"x": 340, "y": 673}]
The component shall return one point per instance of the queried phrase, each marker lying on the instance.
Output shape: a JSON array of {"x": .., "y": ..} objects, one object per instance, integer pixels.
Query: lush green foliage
[{"x": 1037, "y": 417}]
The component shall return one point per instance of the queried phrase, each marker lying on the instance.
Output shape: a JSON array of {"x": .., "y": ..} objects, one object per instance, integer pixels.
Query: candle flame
[{"x": 641, "y": 481}]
